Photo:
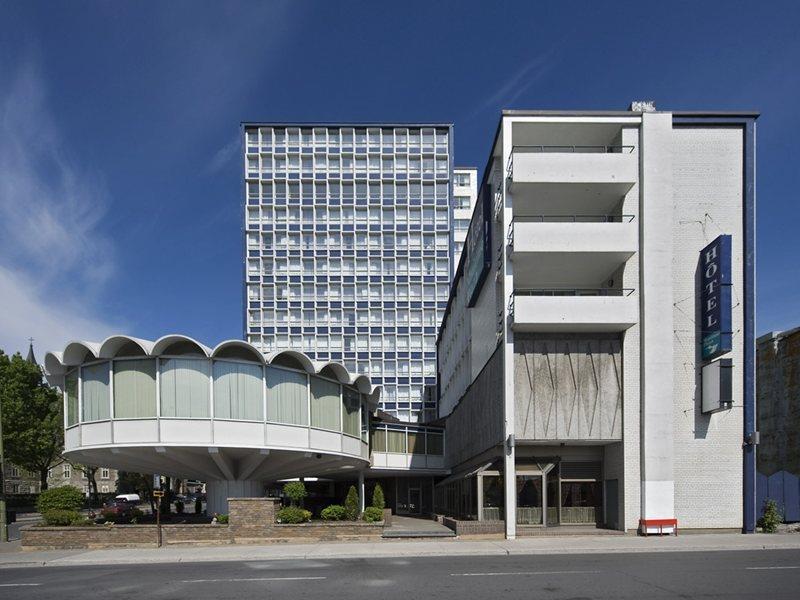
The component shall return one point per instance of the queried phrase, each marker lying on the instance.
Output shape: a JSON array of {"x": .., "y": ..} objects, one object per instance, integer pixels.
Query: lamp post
[{"x": 3, "y": 514}]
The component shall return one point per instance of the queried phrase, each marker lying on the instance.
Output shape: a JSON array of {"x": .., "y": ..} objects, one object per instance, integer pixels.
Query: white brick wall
[{"x": 707, "y": 165}]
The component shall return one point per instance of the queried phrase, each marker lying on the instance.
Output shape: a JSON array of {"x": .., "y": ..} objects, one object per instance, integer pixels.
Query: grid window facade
[{"x": 348, "y": 234}]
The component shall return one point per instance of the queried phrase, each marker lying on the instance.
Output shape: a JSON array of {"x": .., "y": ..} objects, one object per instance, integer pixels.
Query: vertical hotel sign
[
  {"x": 478, "y": 247},
  {"x": 715, "y": 298}
]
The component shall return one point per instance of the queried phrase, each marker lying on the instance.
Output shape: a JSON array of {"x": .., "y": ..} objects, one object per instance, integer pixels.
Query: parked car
[
  {"x": 133, "y": 498},
  {"x": 118, "y": 508}
]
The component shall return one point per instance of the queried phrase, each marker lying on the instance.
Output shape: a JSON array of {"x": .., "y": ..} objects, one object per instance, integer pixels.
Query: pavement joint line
[
  {"x": 524, "y": 573},
  {"x": 232, "y": 580},
  {"x": 768, "y": 568},
  {"x": 19, "y": 584}
]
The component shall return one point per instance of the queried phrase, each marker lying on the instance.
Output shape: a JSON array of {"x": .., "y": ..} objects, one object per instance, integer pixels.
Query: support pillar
[
  {"x": 361, "y": 499},
  {"x": 218, "y": 492}
]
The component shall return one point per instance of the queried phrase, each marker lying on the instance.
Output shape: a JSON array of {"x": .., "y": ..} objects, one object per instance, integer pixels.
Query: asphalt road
[{"x": 770, "y": 574}]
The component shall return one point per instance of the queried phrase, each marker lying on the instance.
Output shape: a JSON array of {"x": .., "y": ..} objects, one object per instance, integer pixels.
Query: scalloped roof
[{"x": 80, "y": 351}]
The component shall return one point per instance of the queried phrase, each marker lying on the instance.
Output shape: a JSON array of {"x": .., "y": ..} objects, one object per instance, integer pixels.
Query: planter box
[{"x": 475, "y": 528}]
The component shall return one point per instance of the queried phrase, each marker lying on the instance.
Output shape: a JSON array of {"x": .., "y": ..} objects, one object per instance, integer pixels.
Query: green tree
[
  {"x": 351, "y": 504},
  {"x": 33, "y": 426},
  {"x": 295, "y": 491},
  {"x": 378, "y": 500}
]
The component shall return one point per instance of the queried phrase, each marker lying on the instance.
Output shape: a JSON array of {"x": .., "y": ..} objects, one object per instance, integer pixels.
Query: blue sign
[
  {"x": 478, "y": 247},
  {"x": 715, "y": 298}
]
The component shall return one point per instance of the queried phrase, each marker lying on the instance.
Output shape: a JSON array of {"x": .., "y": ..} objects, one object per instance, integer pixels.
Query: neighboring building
[
  {"x": 65, "y": 473},
  {"x": 569, "y": 359},
  {"x": 465, "y": 192},
  {"x": 778, "y": 368},
  {"x": 348, "y": 248},
  {"x": 19, "y": 481}
]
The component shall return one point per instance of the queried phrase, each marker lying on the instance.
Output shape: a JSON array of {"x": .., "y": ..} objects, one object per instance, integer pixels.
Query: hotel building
[{"x": 596, "y": 359}]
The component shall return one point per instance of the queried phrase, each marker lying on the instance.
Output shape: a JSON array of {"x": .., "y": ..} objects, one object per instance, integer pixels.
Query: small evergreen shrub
[
  {"x": 293, "y": 514},
  {"x": 222, "y": 519},
  {"x": 373, "y": 514},
  {"x": 295, "y": 491},
  {"x": 351, "y": 504},
  {"x": 63, "y": 518},
  {"x": 378, "y": 500},
  {"x": 66, "y": 497},
  {"x": 334, "y": 512},
  {"x": 772, "y": 517}
]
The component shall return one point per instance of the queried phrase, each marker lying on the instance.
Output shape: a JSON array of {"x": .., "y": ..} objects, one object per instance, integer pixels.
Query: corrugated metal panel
[{"x": 580, "y": 470}]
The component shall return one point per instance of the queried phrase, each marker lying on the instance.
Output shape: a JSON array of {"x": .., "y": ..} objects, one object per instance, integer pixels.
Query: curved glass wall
[
  {"x": 238, "y": 391},
  {"x": 94, "y": 392},
  {"x": 287, "y": 396},
  {"x": 326, "y": 404},
  {"x": 184, "y": 388},
  {"x": 135, "y": 389}
]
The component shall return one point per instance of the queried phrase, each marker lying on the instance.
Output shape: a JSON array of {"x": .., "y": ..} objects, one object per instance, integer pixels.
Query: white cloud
[
  {"x": 225, "y": 155},
  {"x": 530, "y": 73},
  {"x": 54, "y": 259}
]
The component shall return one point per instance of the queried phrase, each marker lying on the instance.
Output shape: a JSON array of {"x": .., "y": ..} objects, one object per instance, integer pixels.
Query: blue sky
[{"x": 119, "y": 123}]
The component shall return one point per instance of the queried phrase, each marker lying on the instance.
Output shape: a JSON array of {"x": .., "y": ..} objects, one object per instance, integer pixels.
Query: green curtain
[
  {"x": 135, "y": 389},
  {"x": 326, "y": 404},
  {"x": 287, "y": 396},
  {"x": 395, "y": 441},
  {"x": 351, "y": 400},
  {"x": 96, "y": 401},
  {"x": 238, "y": 391},
  {"x": 71, "y": 389},
  {"x": 378, "y": 443},
  {"x": 184, "y": 388}
]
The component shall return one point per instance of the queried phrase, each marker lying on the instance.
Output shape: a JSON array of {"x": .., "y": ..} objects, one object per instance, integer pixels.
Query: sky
[{"x": 120, "y": 175}]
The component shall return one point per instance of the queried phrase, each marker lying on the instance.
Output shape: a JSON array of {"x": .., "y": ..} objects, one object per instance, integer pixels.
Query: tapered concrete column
[{"x": 361, "y": 498}]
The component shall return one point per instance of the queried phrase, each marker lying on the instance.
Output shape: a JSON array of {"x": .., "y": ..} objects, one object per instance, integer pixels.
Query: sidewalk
[{"x": 385, "y": 549}]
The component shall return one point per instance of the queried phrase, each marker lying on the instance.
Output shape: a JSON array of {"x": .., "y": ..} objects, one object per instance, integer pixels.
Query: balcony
[
  {"x": 571, "y": 178},
  {"x": 574, "y": 310}
]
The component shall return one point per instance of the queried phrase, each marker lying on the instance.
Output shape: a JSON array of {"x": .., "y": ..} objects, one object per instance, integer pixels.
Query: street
[{"x": 773, "y": 574}]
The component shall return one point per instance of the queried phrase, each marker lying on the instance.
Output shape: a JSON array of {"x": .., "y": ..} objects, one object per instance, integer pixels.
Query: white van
[{"x": 133, "y": 498}]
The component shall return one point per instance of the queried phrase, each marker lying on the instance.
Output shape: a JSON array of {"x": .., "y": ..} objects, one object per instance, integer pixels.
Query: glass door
[{"x": 414, "y": 501}]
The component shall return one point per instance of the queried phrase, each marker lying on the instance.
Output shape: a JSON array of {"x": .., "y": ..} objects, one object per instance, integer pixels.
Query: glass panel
[
  {"x": 529, "y": 499},
  {"x": 134, "y": 389},
  {"x": 492, "y": 497},
  {"x": 396, "y": 441},
  {"x": 581, "y": 502},
  {"x": 552, "y": 498},
  {"x": 238, "y": 391},
  {"x": 378, "y": 441},
  {"x": 96, "y": 401},
  {"x": 184, "y": 388},
  {"x": 71, "y": 389},
  {"x": 416, "y": 443},
  {"x": 435, "y": 444},
  {"x": 326, "y": 405},
  {"x": 351, "y": 402},
  {"x": 287, "y": 397}
]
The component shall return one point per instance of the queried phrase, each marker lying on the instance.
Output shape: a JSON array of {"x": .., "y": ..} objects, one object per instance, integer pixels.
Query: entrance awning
[{"x": 464, "y": 474}]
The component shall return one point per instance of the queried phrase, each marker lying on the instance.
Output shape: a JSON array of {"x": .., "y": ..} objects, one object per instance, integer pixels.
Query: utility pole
[{"x": 3, "y": 513}]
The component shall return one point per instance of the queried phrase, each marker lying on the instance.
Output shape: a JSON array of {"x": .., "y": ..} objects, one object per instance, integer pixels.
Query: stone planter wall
[
  {"x": 475, "y": 528},
  {"x": 251, "y": 521}
]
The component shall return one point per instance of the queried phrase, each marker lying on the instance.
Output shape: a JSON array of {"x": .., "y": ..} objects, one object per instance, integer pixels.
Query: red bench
[{"x": 645, "y": 524}]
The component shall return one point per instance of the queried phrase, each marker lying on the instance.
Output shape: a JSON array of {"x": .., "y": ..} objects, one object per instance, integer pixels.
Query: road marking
[
  {"x": 249, "y": 579},
  {"x": 18, "y": 584},
  {"x": 768, "y": 568},
  {"x": 523, "y": 573}
]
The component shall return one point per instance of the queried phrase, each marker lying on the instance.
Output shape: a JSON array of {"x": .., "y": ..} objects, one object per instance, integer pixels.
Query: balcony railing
[
  {"x": 574, "y": 292},
  {"x": 573, "y": 218}
]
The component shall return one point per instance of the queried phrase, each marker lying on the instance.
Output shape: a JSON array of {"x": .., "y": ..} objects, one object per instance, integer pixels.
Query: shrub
[
  {"x": 293, "y": 514},
  {"x": 351, "y": 504},
  {"x": 136, "y": 515},
  {"x": 295, "y": 491},
  {"x": 334, "y": 512},
  {"x": 62, "y": 518},
  {"x": 66, "y": 497},
  {"x": 373, "y": 514},
  {"x": 222, "y": 519},
  {"x": 377, "y": 497},
  {"x": 772, "y": 517}
]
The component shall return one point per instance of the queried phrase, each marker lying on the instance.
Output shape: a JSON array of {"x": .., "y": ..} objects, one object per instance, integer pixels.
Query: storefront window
[
  {"x": 581, "y": 501},
  {"x": 529, "y": 499},
  {"x": 492, "y": 497}
]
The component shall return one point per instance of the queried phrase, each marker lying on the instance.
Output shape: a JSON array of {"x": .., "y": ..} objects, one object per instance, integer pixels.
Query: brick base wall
[{"x": 475, "y": 528}]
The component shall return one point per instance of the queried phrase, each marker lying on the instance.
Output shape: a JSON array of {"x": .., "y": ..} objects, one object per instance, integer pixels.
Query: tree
[
  {"x": 33, "y": 426},
  {"x": 351, "y": 504},
  {"x": 295, "y": 491},
  {"x": 378, "y": 500},
  {"x": 137, "y": 483}
]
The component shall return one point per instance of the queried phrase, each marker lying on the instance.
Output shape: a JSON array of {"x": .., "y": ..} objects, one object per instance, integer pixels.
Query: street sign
[{"x": 158, "y": 493}]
